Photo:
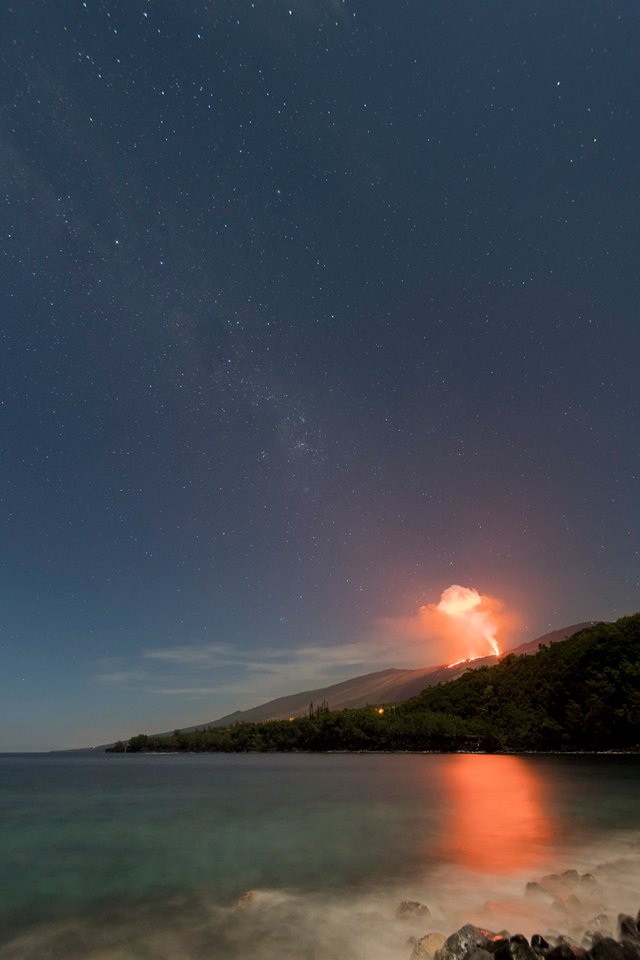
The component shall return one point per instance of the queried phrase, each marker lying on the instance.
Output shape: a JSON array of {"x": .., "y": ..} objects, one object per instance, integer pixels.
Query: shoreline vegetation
[{"x": 581, "y": 695}]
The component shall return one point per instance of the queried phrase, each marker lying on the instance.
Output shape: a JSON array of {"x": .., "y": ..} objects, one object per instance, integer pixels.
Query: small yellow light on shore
[{"x": 380, "y": 710}]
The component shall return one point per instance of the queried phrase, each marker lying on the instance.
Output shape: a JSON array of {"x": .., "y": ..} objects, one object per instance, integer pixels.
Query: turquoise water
[{"x": 126, "y": 856}]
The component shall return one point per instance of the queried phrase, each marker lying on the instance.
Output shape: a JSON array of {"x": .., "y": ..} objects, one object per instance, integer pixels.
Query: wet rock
[
  {"x": 551, "y": 879},
  {"x": 601, "y": 924},
  {"x": 570, "y": 878},
  {"x": 606, "y": 948},
  {"x": 552, "y": 936},
  {"x": 248, "y": 899},
  {"x": 627, "y": 928},
  {"x": 520, "y": 949},
  {"x": 410, "y": 909},
  {"x": 565, "y": 951},
  {"x": 463, "y": 942},
  {"x": 480, "y": 954},
  {"x": 588, "y": 880},
  {"x": 535, "y": 891},
  {"x": 499, "y": 947},
  {"x": 631, "y": 949},
  {"x": 566, "y": 903},
  {"x": 539, "y": 944},
  {"x": 426, "y": 947},
  {"x": 567, "y": 940}
]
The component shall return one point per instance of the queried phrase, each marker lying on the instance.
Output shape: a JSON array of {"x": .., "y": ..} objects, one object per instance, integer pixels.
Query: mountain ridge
[{"x": 388, "y": 686}]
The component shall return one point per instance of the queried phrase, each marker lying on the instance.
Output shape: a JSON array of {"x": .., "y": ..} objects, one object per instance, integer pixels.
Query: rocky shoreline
[
  {"x": 475, "y": 943},
  {"x": 603, "y": 937}
]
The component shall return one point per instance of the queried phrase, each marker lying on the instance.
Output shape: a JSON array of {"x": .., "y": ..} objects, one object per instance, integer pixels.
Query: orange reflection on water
[{"x": 498, "y": 818}]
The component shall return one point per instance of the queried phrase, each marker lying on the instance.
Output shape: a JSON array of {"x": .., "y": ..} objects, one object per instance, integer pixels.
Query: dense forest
[{"x": 580, "y": 694}]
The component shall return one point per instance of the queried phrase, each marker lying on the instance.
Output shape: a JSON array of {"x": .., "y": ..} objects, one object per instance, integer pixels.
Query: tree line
[{"x": 580, "y": 694}]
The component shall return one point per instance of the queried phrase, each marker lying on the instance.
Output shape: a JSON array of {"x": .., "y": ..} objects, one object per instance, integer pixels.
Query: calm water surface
[{"x": 146, "y": 856}]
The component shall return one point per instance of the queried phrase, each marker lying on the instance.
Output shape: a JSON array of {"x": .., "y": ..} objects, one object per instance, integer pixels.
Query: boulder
[
  {"x": 569, "y": 941},
  {"x": 631, "y": 949},
  {"x": 605, "y": 948},
  {"x": 539, "y": 945},
  {"x": 409, "y": 909},
  {"x": 627, "y": 928},
  {"x": 536, "y": 891},
  {"x": 499, "y": 947},
  {"x": 463, "y": 942},
  {"x": 427, "y": 946},
  {"x": 588, "y": 880},
  {"x": 248, "y": 899},
  {"x": 566, "y": 903},
  {"x": 520, "y": 949},
  {"x": 570, "y": 878},
  {"x": 565, "y": 951},
  {"x": 602, "y": 925}
]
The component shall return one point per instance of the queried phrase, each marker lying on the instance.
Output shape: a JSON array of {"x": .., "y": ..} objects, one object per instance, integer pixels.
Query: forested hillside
[{"x": 580, "y": 694}]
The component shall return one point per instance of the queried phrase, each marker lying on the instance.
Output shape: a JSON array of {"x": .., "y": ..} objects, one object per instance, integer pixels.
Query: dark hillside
[{"x": 582, "y": 693}]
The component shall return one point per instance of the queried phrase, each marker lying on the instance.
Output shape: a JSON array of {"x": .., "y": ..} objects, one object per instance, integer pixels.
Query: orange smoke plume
[
  {"x": 471, "y": 614},
  {"x": 463, "y": 625}
]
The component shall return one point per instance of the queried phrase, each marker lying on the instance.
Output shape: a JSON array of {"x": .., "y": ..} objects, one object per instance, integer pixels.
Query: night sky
[{"x": 308, "y": 309}]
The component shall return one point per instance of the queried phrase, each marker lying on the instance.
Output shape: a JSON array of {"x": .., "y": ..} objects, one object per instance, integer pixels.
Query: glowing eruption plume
[
  {"x": 472, "y": 611},
  {"x": 463, "y": 625}
]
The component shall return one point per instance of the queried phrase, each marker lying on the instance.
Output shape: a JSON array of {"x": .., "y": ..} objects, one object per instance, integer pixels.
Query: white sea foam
[{"x": 356, "y": 924}]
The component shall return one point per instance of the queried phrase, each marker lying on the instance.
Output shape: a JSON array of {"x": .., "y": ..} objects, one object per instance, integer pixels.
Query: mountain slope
[
  {"x": 579, "y": 694},
  {"x": 383, "y": 687}
]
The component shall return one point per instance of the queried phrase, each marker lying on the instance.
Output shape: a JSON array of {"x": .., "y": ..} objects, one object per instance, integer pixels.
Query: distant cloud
[
  {"x": 197, "y": 655},
  {"x": 209, "y": 670}
]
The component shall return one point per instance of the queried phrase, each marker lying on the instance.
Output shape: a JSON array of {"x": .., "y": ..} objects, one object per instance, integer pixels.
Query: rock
[
  {"x": 480, "y": 954},
  {"x": 631, "y": 949},
  {"x": 409, "y": 909},
  {"x": 520, "y": 949},
  {"x": 601, "y": 924},
  {"x": 536, "y": 891},
  {"x": 463, "y": 942},
  {"x": 588, "y": 880},
  {"x": 499, "y": 947},
  {"x": 248, "y": 899},
  {"x": 539, "y": 944},
  {"x": 606, "y": 948},
  {"x": 627, "y": 928},
  {"x": 565, "y": 951},
  {"x": 564, "y": 938},
  {"x": 497, "y": 940},
  {"x": 552, "y": 936},
  {"x": 427, "y": 946},
  {"x": 551, "y": 878},
  {"x": 570, "y": 877},
  {"x": 566, "y": 902}
]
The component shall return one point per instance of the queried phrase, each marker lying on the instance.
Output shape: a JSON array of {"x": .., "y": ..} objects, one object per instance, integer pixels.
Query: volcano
[{"x": 382, "y": 687}]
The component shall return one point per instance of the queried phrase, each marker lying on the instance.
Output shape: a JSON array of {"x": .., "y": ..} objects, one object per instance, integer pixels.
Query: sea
[{"x": 306, "y": 856}]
